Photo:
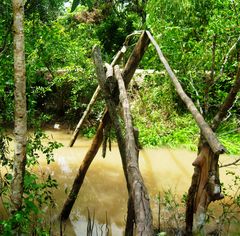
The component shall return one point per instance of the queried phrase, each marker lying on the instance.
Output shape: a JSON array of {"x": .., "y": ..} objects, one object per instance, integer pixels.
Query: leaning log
[
  {"x": 84, "y": 116},
  {"x": 139, "y": 194},
  {"x": 78, "y": 181},
  {"x": 93, "y": 99},
  {"x": 128, "y": 151},
  {"x": 205, "y": 128},
  {"x": 129, "y": 70}
]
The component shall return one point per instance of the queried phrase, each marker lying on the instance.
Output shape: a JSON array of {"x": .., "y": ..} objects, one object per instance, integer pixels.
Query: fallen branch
[{"x": 129, "y": 70}]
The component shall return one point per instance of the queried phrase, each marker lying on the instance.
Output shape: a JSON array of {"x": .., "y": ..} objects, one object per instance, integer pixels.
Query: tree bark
[
  {"x": 205, "y": 185},
  {"x": 139, "y": 194},
  {"x": 205, "y": 128},
  {"x": 93, "y": 99},
  {"x": 128, "y": 151},
  {"x": 129, "y": 70},
  {"x": 20, "y": 124}
]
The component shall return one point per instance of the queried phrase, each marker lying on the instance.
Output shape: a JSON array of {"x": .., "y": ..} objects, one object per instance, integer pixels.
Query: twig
[
  {"x": 195, "y": 90},
  {"x": 136, "y": 32},
  {"x": 230, "y": 164},
  {"x": 227, "y": 56}
]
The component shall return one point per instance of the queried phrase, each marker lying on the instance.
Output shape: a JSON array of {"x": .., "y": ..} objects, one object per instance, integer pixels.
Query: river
[{"x": 104, "y": 192}]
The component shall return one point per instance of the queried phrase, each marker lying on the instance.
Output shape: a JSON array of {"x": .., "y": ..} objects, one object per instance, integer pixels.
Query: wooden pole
[
  {"x": 78, "y": 181},
  {"x": 205, "y": 128}
]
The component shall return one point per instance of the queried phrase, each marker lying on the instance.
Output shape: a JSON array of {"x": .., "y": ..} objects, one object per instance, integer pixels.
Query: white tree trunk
[{"x": 20, "y": 123}]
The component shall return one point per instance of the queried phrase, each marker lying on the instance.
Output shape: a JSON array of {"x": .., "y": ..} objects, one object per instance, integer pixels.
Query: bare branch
[
  {"x": 227, "y": 56},
  {"x": 231, "y": 164},
  {"x": 228, "y": 103},
  {"x": 206, "y": 130}
]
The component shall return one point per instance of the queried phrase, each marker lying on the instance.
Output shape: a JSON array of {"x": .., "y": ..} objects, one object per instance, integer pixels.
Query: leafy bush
[{"x": 37, "y": 195}]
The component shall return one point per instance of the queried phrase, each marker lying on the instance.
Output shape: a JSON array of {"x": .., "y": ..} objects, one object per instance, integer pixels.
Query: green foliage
[
  {"x": 37, "y": 196},
  {"x": 227, "y": 221},
  {"x": 157, "y": 117},
  {"x": 186, "y": 31},
  {"x": 171, "y": 213},
  {"x": 60, "y": 73},
  {"x": 228, "y": 134}
]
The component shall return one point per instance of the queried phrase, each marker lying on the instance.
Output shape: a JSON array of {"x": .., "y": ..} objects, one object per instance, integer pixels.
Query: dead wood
[
  {"x": 205, "y": 128},
  {"x": 205, "y": 185},
  {"x": 93, "y": 100},
  {"x": 128, "y": 150},
  {"x": 96, "y": 143},
  {"x": 234, "y": 163},
  {"x": 131, "y": 66},
  {"x": 143, "y": 215}
]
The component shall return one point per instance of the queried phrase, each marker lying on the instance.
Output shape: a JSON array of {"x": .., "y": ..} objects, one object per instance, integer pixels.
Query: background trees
[{"x": 199, "y": 38}]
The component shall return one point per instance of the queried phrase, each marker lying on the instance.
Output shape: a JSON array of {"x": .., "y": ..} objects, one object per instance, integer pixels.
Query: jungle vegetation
[{"x": 200, "y": 39}]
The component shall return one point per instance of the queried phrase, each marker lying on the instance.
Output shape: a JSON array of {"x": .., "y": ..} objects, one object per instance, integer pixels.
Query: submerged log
[
  {"x": 205, "y": 128},
  {"x": 129, "y": 70},
  {"x": 128, "y": 150}
]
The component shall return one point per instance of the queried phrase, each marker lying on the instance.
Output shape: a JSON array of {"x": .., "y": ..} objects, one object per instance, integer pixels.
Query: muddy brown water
[{"x": 104, "y": 192}]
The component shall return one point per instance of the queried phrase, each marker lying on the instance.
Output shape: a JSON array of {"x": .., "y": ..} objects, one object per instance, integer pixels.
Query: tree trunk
[
  {"x": 128, "y": 150},
  {"x": 143, "y": 214},
  {"x": 129, "y": 71},
  {"x": 20, "y": 124},
  {"x": 205, "y": 181}
]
